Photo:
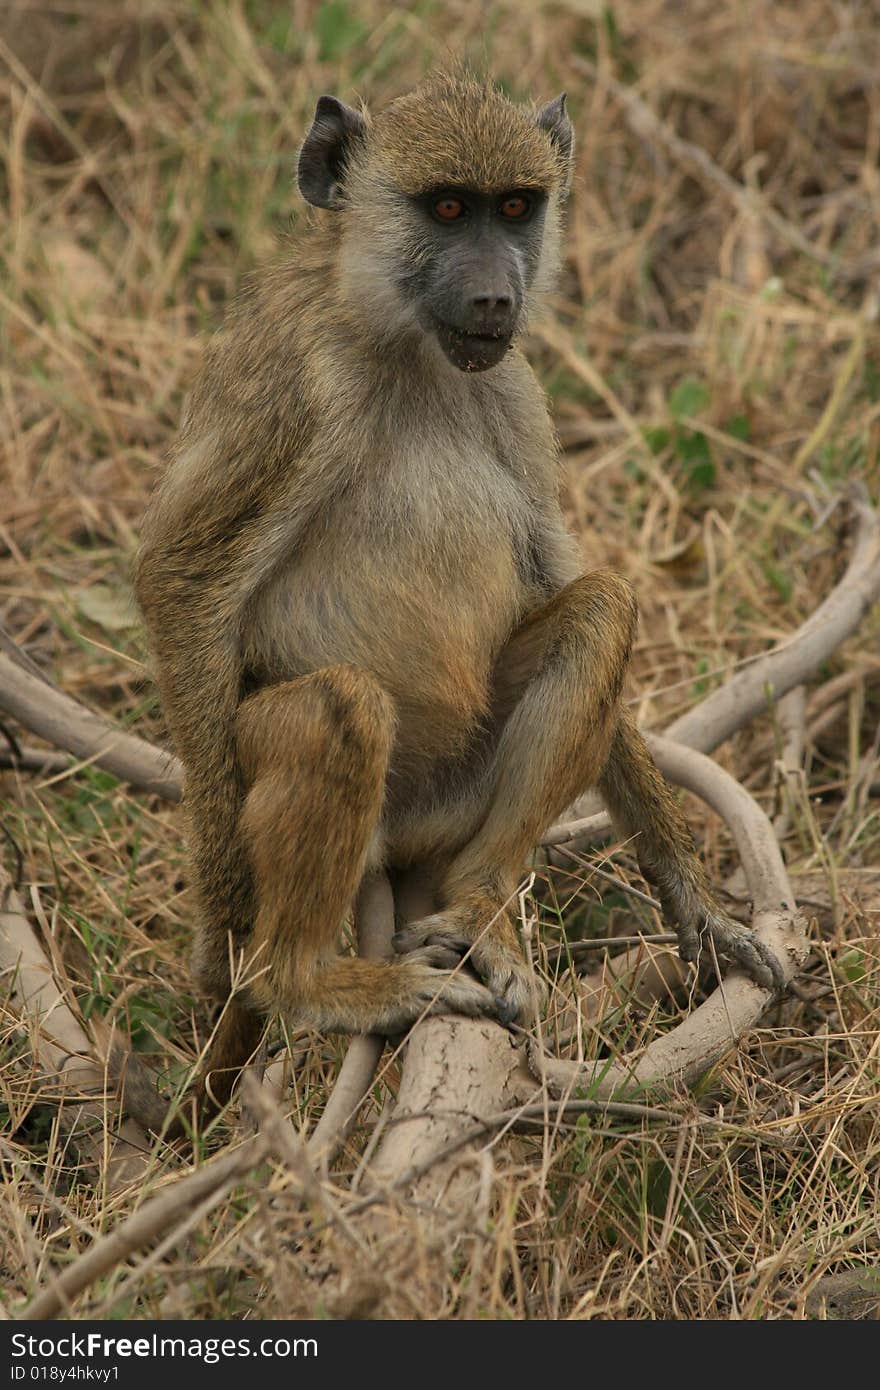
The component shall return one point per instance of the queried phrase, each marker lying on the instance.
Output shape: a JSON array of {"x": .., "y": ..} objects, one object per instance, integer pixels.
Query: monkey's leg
[
  {"x": 644, "y": 808},
  {"x": 315, "y": 755},
  {"x": 556, "y": 694},
  {"x": 560, "y": 678}
]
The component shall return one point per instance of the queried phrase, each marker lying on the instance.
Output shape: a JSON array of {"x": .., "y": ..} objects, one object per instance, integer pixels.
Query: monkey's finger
[
  {"x": 430, "y": 932},
  {"x": 507, "y": 1010},
  {"x": 460, "y": 994},
  {"x": 518, "y": 991},
  {"x": 688, "y": 941},
  {"x": 437, "y": 955}
]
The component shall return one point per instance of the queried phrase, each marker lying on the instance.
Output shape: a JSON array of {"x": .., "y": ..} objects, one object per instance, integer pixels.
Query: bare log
[
  {"x": 465, "y": 1061},
  {"x": 450, "y": 1062},
  {"x": 455, "y": 1070}
]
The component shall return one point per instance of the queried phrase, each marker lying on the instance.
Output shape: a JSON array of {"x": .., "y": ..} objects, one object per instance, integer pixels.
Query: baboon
[{"x": 373, "y": 636}]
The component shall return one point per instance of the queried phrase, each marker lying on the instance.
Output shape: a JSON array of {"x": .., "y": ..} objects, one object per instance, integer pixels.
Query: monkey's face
[
  {"x": 450, "y": 206},
  {"x": 475, "y": 259}
]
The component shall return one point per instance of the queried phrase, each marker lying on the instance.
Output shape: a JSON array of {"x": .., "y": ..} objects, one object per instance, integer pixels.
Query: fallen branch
[
  {"x": 681, "y": 1056},
  {"x": 791, "y": 663},
  {"x": 791, "y": 713},
  {"x": 455, "y": 1070},
  {"x": 178, "y": 1199},
  {"x": 44, "y": 760},
  {"x": 473, "y": 1064},
  {"x": 64, "y": 1053},
  {"x": 466, "y": 1061},
  {"x": 45, "y": 710},
  {"x": 796, "y": 660},
  {"x": 63, "y": 721},
  {"x": 173, "y": 1207}
]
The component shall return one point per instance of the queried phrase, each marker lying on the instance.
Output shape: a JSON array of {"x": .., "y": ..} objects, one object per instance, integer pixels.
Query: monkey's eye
[
  {"x": 515, "y": 207},
  {"x": 448, "y": 209}
]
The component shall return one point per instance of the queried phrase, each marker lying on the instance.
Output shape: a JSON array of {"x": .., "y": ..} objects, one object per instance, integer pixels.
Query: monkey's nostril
[{"x": 491, "y": 301}]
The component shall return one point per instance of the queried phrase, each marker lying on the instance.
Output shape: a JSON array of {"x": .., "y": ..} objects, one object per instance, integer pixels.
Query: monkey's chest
[{"x": 419, "y": 584}]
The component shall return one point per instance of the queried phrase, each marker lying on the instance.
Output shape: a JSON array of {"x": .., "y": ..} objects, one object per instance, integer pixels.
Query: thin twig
[
  {"x": 601, "y": 943},
  {"x": 172, "y": 1202}
]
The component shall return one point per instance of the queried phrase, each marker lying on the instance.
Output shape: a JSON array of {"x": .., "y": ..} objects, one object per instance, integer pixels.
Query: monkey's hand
[
  {"x": 492, "y": 950},
  {"x": 697, "y": 919}
]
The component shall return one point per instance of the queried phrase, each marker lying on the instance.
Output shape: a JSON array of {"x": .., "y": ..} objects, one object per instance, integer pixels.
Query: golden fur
[{"x": 371, "y": 634}]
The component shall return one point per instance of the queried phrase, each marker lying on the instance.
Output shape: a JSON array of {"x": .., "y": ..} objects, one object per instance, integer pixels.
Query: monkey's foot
[
  {"x": 493, "y": 952},
  {"x": 695, "y": 919}
]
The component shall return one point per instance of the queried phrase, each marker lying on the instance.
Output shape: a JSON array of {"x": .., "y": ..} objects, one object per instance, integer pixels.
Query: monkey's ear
[
  {"x": 320, "y": 173},
  {"x": 554, "y": 119}
]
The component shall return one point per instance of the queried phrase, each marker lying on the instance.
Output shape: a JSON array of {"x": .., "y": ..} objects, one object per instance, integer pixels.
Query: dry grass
[{"x": 715, "y": 381}]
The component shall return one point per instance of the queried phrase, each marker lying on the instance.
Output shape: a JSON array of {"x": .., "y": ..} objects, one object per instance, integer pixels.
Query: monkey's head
[{"x": 448, "y": 204}]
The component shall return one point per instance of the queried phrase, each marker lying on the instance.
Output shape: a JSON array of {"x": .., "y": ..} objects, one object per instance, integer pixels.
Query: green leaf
[
  {"x": 779, "y": 579},
  {"x": 689, "y": 397},
  {"x": 692, "y": 447},
  {"x": 852, "y": 963},
  {"x": 738, "y": 427},
  {"x": 657, "y": 439}
]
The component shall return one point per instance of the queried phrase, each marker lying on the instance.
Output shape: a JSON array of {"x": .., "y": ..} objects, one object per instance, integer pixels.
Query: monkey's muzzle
[{"x": 471, "y": 352}]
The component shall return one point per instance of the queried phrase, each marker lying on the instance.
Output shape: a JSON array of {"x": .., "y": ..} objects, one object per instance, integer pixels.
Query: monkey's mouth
[{"x": 471, "y": 352}]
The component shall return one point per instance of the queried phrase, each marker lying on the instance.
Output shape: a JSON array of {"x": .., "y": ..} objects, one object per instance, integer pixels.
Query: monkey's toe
[
  {"x": 741, "y": 945},
  {"x": 518, "y": 991},
  {"x": 732, "y": 941},
  {"x": 443, "y": 991}
]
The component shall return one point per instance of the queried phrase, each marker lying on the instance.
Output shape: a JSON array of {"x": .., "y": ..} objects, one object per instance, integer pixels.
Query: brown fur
[
  {"x": 454, "y": 130},
  {"x": 371, "y": 636}
]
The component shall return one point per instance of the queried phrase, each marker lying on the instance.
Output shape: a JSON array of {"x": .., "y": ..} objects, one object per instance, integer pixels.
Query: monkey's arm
[
  {"x": 201, "y": 561},
  {"x": 644, "y": 809},
  {"x": 642, "y": 803}
]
